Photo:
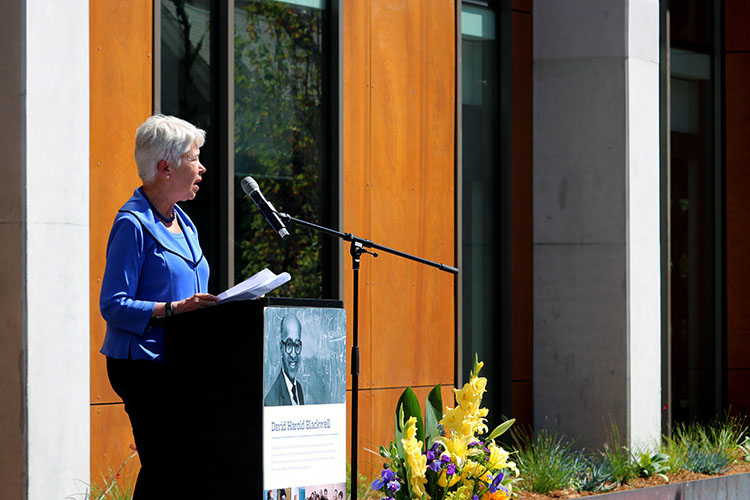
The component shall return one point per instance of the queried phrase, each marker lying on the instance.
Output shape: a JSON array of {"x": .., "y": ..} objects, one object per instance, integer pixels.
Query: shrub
[
  {"x": 546, "y": 461},
  {"x": 596, "y": 476}
]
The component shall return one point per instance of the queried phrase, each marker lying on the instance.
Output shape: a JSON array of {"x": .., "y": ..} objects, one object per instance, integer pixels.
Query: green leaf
[
  {"x": 500, "y": 429},
  {"x": 407, "y": 407},
  {"x": 433, "y": 412},
  {"x": 399, "y": 434}
]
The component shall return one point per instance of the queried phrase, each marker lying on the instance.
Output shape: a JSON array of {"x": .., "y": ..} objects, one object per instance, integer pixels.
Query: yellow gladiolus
[
  {"x": 416, "y": 462},
  {"x": 467, "y": 419}
]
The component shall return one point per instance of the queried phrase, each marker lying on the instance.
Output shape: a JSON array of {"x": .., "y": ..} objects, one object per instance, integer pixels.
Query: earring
[{"x": 168, "y": 177}]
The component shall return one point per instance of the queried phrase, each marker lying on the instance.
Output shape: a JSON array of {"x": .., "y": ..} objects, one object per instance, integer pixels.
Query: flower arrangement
[{"x": 443, "y": 457}]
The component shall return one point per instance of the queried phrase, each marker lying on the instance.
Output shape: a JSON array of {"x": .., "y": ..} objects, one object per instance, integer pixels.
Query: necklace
[{"x": 166, "y": 220}]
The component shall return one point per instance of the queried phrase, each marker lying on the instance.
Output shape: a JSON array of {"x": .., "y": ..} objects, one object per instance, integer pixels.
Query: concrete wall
[
  {"x": 44, "y": 92},
  {"x": 12, "y": 416},
  {"x": 56, "y": 191},
  {"x": 596, "y": 219}
]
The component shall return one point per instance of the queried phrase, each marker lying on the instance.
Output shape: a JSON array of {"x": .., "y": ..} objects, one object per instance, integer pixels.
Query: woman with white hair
[{"x": 155, "y": 267}]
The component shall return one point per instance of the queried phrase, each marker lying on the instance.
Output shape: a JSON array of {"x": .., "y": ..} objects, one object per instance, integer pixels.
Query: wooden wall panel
[
  {"x": 412, "y": 190},
  {"x": 737, "y": 209},
  {"x": 522, "y": 74},
  {"x": 521, "y": 204},
  {"x": 111, "y": 449},
  {"x": 523, "y": 5},
  {"x": 356, "y": 154},
  {"x": 738, "y": 382},
  {"x": 736, "y": 34},
  {"x": 120, "y": 87},
  {"x": 399, "y": 126}
]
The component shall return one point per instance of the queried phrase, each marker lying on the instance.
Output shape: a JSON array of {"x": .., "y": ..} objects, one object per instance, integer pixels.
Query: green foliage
[
  {"x": 433, "y": 412},
  {"x": 279, "y": 140},
  {"x": 648, "y": 464},
  {"x": 547, "y": 461},
  {"x": 616, "y": 457},
  {"x": 114, "y": 484},
  {"x": 707, "y": 461},
  {"x": 707, "y": 449},
  {"x": 428, "y": 427},
  {"x": 745, "y": 449},
  {"x": 594, "y": 476},
  {"x": 407, "y": 407}
]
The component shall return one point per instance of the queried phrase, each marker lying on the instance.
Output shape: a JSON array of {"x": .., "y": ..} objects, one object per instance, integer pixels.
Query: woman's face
[{"x": 186, "y": 178}]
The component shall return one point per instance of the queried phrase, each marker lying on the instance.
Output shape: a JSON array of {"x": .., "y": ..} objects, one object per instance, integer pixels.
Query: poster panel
[{"x": 304, "y": 411}]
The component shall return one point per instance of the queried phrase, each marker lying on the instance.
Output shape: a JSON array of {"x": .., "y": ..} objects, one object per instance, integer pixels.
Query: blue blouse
[{"x": 146, "y": 264}]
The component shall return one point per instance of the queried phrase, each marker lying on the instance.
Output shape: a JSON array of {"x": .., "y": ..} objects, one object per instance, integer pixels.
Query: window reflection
[
  {"x": 280, "y": 138},
  {"x": 692, "y": 207},
  {"x": 188, "y": 90},
  {"x": 480, "y": 178}
]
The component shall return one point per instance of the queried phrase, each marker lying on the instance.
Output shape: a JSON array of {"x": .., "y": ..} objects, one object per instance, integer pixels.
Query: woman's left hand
[{"x": 197, "y": 301}]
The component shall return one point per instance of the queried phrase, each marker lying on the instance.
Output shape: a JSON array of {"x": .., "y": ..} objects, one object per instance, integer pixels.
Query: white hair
[{"x": 164, "y": 138}]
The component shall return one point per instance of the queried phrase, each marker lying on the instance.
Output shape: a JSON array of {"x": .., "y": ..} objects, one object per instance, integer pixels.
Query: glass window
[
  {"x": 480, "y": 178},
  {"x": 693, "y": 205},
  {"x": 281, "y": 76},
  {"x": 281, "y": 135},
  {"x": 188, "y": 90}
]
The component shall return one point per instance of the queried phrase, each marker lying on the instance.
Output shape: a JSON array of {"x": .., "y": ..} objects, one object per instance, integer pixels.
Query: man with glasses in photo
[{"x": 287, "y": 390}]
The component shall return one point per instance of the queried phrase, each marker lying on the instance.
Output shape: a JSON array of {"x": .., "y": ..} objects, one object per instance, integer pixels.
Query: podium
[{"x": 225, "y": 434}]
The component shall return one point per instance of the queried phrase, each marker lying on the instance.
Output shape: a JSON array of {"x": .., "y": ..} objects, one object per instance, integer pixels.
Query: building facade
[{"x": 581, "y": 163}]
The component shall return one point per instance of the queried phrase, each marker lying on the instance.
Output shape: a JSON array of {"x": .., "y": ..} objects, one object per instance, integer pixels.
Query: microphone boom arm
[{"x": 365, "y": 243}]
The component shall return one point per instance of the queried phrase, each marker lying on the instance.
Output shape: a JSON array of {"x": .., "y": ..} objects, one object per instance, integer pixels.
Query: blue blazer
[{"x": 146, "y": 264}]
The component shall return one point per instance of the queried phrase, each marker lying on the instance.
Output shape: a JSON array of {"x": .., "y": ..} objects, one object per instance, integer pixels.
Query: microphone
[{"x": 250, "y": 187}]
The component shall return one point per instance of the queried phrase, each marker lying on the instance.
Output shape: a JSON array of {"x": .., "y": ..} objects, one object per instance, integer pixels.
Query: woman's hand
[{"x": 197, "y": 301}]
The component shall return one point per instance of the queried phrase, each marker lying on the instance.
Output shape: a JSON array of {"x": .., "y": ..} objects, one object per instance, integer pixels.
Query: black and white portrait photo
[{"x": 304, "y": 356}]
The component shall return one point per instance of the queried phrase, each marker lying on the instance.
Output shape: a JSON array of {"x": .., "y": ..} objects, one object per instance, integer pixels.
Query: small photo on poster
[
  {"x": 333, "y": 491},
  {"x": 304, "y": 356}
]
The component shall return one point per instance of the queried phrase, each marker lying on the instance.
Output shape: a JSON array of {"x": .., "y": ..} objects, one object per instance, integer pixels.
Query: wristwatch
[{"x": 168, "y": 309}]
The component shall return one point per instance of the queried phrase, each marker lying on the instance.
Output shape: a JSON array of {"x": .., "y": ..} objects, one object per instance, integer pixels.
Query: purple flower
[
  {"x": 430, "y": 456},
  {"x": 475, "y": 497},
  {"x": 474, "y": 443},
  {"x": 445, "y": 458},
  {"x": 451, "y": 469},
  {"x": 434, "y": 465},
  {"x": 495, "y": 484},
  {"x": 387, "y": 476},
  {"x": 393, "y": 486}
]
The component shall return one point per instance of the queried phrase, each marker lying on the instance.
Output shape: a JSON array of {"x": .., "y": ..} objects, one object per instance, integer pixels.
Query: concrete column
[
  {"x": 597, "y": 326},
  {"x": 44, "y": 278}
]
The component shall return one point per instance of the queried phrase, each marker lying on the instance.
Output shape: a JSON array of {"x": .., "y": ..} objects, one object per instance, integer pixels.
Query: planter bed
[{"x": 734, "y": 485}]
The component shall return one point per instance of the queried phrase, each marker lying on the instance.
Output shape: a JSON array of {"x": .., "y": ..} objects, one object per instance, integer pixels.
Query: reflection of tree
[
  {"x": 278, "y": 127},
  {"x": 188, "y": 58}
]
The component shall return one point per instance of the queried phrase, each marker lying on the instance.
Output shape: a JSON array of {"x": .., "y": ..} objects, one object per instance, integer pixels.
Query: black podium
[{"x": 216, "y": 359}]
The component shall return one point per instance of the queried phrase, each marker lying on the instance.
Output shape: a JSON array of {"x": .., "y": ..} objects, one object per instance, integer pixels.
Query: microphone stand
[{"x": 357, "y": 247}]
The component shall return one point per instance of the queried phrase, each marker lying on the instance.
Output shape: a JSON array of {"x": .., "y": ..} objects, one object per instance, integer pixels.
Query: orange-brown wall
[
  {"x": 522, "y": 210},
  {"x": 399, "y": 173},
  {"x": 737, "y": 81},
  {"x": 121, "y": 76}
]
